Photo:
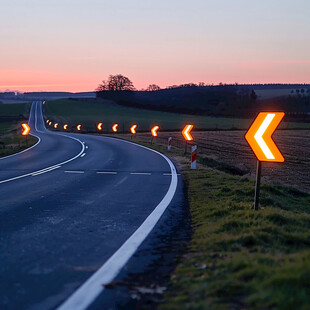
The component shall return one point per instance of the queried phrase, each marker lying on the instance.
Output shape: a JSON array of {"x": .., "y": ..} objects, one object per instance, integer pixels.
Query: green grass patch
[
  {"x": 89, "y": 112},
  {"x": 239, "y": 258},
  {"x": 13, "y": 142},
  {"x": 15, "y": 109},
  {"x": 11, "y": 117}
]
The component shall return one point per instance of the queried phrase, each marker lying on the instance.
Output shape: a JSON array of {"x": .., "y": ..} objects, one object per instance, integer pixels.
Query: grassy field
[
  {"x": 5, "y": 127},
  {"x": 239, "y": 258},
  {"x": 11, "y": 140},
  {"x": 272, "y": 93},
  {"x": 15, "y": 109},
  {"x": 91, "y": 112}
]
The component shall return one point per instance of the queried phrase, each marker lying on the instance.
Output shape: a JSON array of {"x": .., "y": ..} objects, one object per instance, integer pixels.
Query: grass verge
[
  {"x": 239, "y": 258},
  {"x": 11, "y": 140}
]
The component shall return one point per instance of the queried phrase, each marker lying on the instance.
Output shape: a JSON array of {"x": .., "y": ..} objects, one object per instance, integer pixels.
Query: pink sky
[{"x": 73, "y": 45}]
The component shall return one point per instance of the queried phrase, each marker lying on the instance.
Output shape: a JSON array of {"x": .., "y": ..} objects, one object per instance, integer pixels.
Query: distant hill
[
  {"x": 223, "y": 100},
  {"x": 8, "y": 97}
]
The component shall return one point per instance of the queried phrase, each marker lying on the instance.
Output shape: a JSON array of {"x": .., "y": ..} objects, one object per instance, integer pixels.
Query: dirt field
[{"x": 230, "y": 147}]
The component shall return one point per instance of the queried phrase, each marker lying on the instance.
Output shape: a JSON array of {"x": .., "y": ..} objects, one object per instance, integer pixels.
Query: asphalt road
[{"x": 74, "y": 209}]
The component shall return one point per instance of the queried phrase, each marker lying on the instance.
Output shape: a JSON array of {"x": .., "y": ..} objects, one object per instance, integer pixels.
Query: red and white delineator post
[
  {"x": 194, "y": 157},
  {"x": 169, "y": 143}
]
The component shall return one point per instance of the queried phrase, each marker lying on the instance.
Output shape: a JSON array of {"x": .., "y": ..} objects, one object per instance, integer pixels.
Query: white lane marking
[
  {"x": 140, "y": 173},
  {"x": 121, "y": 181},
  {"x": 36, "y": 119},
  {"x": 29, "y": 148},
  {"x": 73, "y": 171},
  {"x": 106, "y": 172},
  {"x": 44, "y": 171},
  {"x": 83, "y": 154},
  {"x": 59, "y": 164},
  {"x": 85, "y": 295}
]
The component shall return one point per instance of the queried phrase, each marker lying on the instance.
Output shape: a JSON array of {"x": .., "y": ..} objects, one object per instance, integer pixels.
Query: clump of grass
[
  {"x": 239, "y": 258},
  {"x": 13, "y": 142}
]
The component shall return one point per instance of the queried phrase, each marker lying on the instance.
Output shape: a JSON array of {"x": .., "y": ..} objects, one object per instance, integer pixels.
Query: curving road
[{"x": 74, "y": 208}]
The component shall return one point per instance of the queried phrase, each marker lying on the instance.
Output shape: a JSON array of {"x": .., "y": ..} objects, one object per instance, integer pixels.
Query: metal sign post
[
  {"x": 259, "y": 138},
  {"x": 257, "y": 185}
]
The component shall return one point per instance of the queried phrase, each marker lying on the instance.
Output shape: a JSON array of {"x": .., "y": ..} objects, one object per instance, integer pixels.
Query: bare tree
[
  {"x": 103, "y": 86},
  {"x": 116, "y": 83},
  {"x": 153, "y": 87}
]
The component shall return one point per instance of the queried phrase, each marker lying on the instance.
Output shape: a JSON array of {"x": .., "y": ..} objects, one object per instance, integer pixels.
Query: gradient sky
[{"x": 74, "y": 44}]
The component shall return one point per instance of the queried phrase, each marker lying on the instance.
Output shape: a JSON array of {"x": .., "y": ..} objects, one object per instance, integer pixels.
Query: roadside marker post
[
  {"x": 26, "y": 129},
  {"x": 187, "y": 136},
  {"x": 194, "y": 157},
  {"x": 114, "y": 128},
  {"x": 99, "y": 126},
  {"x": 133, "y": 130},
  {"x": 169, "y": 143},
  {"x": 154, "y": 133},
  {"x": 259, "y": 138},
  {"x": 25, "y": 132}
]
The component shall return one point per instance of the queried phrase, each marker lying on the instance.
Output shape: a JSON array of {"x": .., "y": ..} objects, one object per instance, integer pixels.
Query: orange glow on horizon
[
  {"x": 78, "y": 127},
  {"x": 65, "y": 126}
]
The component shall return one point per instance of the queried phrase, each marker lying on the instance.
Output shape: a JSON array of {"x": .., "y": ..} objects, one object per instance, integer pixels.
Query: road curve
[{"x": 74, "y": 208}]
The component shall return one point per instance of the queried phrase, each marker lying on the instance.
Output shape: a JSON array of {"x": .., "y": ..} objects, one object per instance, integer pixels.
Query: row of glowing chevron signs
[
  {"x": 259, "y": 135},
  {"x": 133, "y": 128}
]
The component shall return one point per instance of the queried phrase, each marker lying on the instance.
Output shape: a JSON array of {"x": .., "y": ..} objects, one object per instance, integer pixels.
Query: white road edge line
[
  {"x": 56, "y": 166},
  {"x": 59, "y": 164},
  {"x": 44, "y": 171},
  {"x": 83, "y": 154},
  {"x": 170, "y": 174},
  {"x": 86, "y": 294}
]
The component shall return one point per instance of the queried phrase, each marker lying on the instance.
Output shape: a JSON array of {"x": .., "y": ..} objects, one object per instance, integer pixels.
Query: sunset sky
[{"x": 71, "y": 45}]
